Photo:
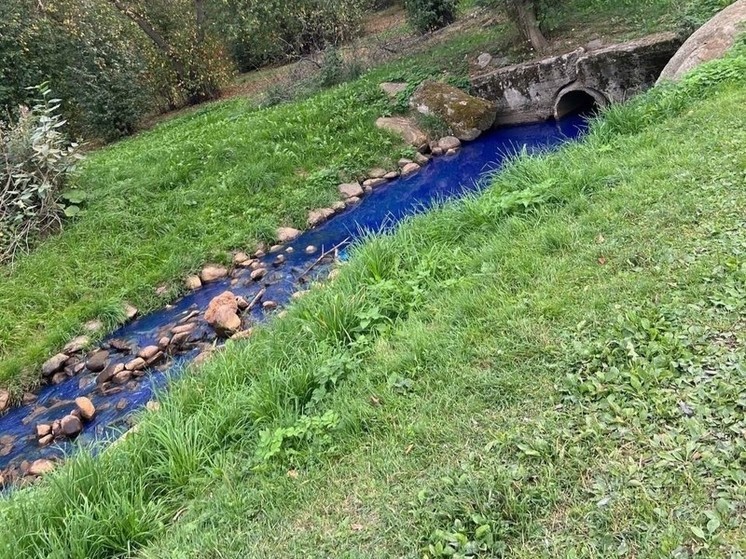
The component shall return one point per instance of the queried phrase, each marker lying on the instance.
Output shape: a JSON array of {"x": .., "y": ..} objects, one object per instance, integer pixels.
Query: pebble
[
  {"x": 86, "y": 407},
  {"x": 310, "y": 249},
  {"x": 258, "y": 274},
  {"x": 97, "y": 361},
  {"x": 409, "y": 169}
]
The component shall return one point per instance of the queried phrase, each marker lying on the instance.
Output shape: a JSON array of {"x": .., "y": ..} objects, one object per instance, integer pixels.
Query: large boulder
[
  {"x": 222, "y": 314},
  {"x": 404, "y": 127},
  {"x": 710, "y": 41},
  {"x": 466, "y": 115}
]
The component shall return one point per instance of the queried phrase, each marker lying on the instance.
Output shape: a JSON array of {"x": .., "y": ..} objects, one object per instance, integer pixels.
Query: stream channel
[{"x": 443, "y": 178}]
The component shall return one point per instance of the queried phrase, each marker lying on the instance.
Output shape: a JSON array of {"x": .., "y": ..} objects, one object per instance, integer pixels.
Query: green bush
[
  {"x": 37, "y": 159},
  {"x": 429, "y": 15}
]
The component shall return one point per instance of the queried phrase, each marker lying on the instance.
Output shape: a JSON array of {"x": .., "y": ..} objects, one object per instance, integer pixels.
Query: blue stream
[{"x": 445, "y": 177}]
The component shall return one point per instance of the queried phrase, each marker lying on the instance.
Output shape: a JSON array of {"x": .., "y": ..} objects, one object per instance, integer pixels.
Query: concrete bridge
[{"x": 581, "y": 80}]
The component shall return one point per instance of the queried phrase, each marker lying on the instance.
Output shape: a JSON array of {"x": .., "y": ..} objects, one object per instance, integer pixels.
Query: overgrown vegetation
[
  {"x": 576, "y": 330},
  {"x": 37, "y": 160},
  {"x": 429, "y": 15}
]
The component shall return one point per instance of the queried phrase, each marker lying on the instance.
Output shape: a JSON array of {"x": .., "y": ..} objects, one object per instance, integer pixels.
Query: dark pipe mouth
[{"x": 577, "y": 102}]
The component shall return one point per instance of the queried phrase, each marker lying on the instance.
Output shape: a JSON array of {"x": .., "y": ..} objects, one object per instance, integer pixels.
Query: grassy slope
[
  {"x": 506, "y": 373},
  {"x": 166, "y": 202}
]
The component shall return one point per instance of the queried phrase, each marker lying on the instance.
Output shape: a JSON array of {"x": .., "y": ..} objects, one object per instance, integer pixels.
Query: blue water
[{"x": 445, "y": 177}]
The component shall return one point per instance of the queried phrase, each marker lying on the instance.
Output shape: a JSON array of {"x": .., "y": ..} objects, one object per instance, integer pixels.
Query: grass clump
[{"x": 549, "y": 369}]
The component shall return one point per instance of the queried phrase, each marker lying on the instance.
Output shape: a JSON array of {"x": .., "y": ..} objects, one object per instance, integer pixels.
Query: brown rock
[
  {"x": 193, "y": 282},
  {"x": 119, "y": 344},
  {"x": 404, "y": 127},
  {"x": 28, "y": 398},
  {"x": 373, "y": 183},
  {"x": 319, "y": 216},
  {"x": 54, "y": 364},
  {"x": 86, "y": 407},
  {"x": 403, "y": 162},
  {"x": 137, "y": 364},
  {"x": 242, "y": 303},
  {"x": 222, "y": 314},
  {"x": 338, "y": 206},
  {"x": 213, "y": 273},
  {"x": 310, "y": 249},
  {"x": 409, "y": 169},
  {"x": 179, "y": 339},
  {"x": 164, "y": 342},
  {"x": 148, "y": 352},
  {"x": 4, "y": 400},
  {"x": 58, "y": 378},
  {"x": 71, "y": 426},
  {"x": 437, "y": 151},
  {"x": 97, "y": 361},
  {"x": 76, "y": 344},
  {"x": 269, "y": 305},
  {"x": 287, "y": 234},
  {"x": 130, "y": 311},
  {"x": 391, "y": 175},
  {"x": 107, "y": 374},
  {"x": 240, "y": 257},
  {"x": 183, "y": 328},
  {"x": 421, "y": 159},
  {"x": 121, "y": 404},
  {"x": 449, "y": 142},
  {"x": 40, "y": 467},
  {"x": 352, "y": 201},
  {"x": 43, "y": 429},
  {"x": 452, "y": 151},
  {"x": 122, "y": 377},
  {"x": 46, "y": 440},
  {"x": 258, "y": 274},
  {"x": 377, "y": 173},
  {"x": 274, "y": 249},
  {"x": 278, "y": 261},
  {"x": 350, "y": 189}
]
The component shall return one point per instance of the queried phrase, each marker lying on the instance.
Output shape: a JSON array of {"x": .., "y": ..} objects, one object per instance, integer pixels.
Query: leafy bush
[
  {"x": 37, "y": 160},
  {"x": 429, "y": 15},
  {"x": 334, "y": 70}
]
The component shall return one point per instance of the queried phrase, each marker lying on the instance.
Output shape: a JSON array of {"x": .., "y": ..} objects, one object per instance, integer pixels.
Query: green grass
[{"x": 551, "y": 369}]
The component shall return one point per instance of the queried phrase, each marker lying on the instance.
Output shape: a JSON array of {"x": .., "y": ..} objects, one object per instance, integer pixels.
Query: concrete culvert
[{"x": 578, "y": 101}]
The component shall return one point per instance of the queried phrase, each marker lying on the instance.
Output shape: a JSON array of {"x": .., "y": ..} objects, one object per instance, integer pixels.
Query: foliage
[
  {"x": 429, "y": 15},
  {"x": 37, "y": 160}
]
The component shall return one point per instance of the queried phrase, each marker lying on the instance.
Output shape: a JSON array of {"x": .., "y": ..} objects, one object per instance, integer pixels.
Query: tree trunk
[{"x": 524, "y": 14}]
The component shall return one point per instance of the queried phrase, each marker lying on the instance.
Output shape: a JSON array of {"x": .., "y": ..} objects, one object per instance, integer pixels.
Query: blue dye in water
[{"x": 444, "y": 178}]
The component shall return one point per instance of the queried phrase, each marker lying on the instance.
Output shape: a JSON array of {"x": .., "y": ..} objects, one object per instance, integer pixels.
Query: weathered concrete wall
[{"x": 533, "y": 91}]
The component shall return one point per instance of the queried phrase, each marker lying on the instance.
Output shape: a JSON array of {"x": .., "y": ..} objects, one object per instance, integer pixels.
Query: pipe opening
[{"x": 578, "y": 102}]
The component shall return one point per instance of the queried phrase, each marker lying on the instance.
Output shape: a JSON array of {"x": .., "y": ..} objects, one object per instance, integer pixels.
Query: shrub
[
  {"x": 429, "y": 15},
  {"x": 37, "y": 159}
]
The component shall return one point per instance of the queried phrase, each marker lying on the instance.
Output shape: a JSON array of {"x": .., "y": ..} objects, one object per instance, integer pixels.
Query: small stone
[
  {"x": 40, "y": 467},
  {"x": 193, "y": 282},
  {"x": 258, "y": 274},
  {"x": 255, "y": 265},
  {"x": 278, "y": 261},
  {"x": 290, "y": 250},
  {"x": 242, "y": 335},
  {"x": 97, "y": 362},
  {"x": 79, "y": 368},
  {"x": 310, "y": 249},
  {"x": 162, "y": 290},
  {"x": 179, "y": 339},
  {"x": 188, "y": 327},
  {"x": 449, "y": 142},
  {"x": 269, "y": 305},
  {"x": 137, "y": 364},
  {"x": 368, "y": 189},
  {"x": 452, "y": 151},
  {"x": 86, "y": 407},
  {"x": 121, "y": 404},
  {"x": 56, "y": 428},
  {"x": 122, "y": 377},
  {"x": 373, "y": 183},
  {"x": 164, "y": 342},
  {"x": 391, "y": 175},
  {"x": 246, "y": 263},
  {"x": 348, "y": 190},
  {"x": 352, "y": 201},
  {"x": 260, "y": 253},
  {"x": 287, "y": 234},
  {"x": 120, "y": 345},
  {"x": 213, "y": 273},
  {"x": 157, "y": 358},
  {"x": 403, "y": 162},
  {"x": 130, "y": 311},
  {"x": 54, "y": 364},
  {"x": 409, "y": 169},
  {"x": 107, "y": 374},
  {"x": 421, "y": 159},
  {"x": 58, "y": 378},
  {"x": 437, "y": 151},
  {"x": 28, "y": 398},
  {"x": 317, "y": 217},
  {"x": 338, "y": 206},
  {"x": 274, "y": 249},
  {"x": 242, "y": 303},
  {"x": 377, "y": 173},
  {"x": 70, "y": 425},
  {"x": 152, "y": 406},
  {"x": 4, "y": 400},
  {"x": 43, "y": 429},
  {"x": 76, "y": 344},
  {"x": 240, "y": 257},
  {"x": 484, "y": 59},
  {"x": 94, "y": 325},
  {"x": 46, "y": 440},
  {"x": 148, "y": 352}
]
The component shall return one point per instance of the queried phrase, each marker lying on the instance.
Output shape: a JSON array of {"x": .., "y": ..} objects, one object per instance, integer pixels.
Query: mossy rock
[{"x": 466, "y": 115}]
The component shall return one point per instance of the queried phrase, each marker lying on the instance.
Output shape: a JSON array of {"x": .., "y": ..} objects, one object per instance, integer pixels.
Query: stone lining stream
[{"x": 443, "y": 178}]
